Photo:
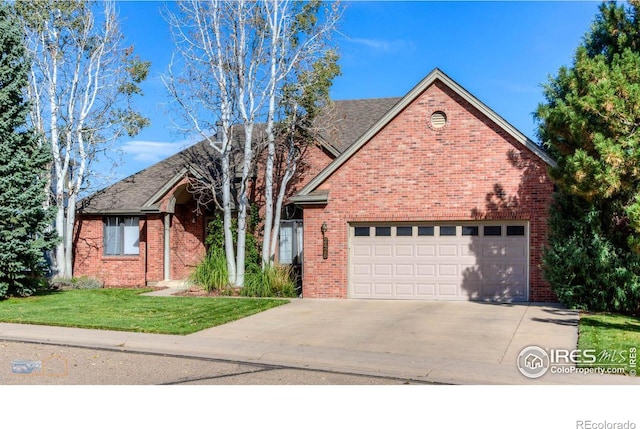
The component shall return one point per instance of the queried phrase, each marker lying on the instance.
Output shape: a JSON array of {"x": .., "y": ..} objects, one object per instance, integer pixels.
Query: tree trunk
[
  {"x": 68, "y": 245},
  {"x": 227, "y": 219}
]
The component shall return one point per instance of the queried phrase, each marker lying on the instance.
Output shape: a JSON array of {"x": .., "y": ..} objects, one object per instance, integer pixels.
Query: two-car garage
[{"x": 439, "y": 261}]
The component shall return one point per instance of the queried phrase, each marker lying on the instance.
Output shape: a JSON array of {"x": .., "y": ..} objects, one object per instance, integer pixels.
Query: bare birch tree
[
  {"x": 217, "y": 87},
  {"x": 81, "y": 85},
  {"x": 301, "y": 69},
  {"x": 234, "y": 60}
]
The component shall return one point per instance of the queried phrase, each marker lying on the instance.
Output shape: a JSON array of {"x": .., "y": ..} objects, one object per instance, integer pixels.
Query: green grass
[
  {"x": 126, "y": 310},
  {"x": 614, "y": 339}
]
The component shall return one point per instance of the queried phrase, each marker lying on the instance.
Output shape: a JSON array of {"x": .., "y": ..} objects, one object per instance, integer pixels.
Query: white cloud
[
  {"x": 149, "y": 152},
  {"x": 383, "y": 45}
]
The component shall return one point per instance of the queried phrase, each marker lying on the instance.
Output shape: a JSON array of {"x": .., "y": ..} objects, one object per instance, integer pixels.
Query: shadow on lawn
[{"x": 633, "y": 326}]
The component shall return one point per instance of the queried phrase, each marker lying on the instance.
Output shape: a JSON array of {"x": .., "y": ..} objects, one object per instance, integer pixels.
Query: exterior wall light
[{"x": 325, "y": 241}]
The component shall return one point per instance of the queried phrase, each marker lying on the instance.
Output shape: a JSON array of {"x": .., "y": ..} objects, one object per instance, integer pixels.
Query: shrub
[
  {"x": 26, "y": 286},
  {"x": 86, "y": 282},
  {"x": 212, "y": 273},
  {"x": 587, "y": 264},
  {"x": 82, "y": 282},
  {"x": 273, "y": 281},
  {"x": 62, "y": 283}
]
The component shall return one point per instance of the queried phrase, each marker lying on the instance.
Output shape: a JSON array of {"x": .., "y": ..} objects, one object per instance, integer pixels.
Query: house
[{"x": 429, "y": 196}]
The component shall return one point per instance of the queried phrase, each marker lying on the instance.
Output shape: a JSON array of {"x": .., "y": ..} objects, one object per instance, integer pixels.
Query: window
[
  {"x": 290, "y": 242},
  {"x": 492, "y": 230},
  {"x": 515, "y": 230},
  {"x": 425, "y": 231},
  {"x": 361, "y": 231},
  {"x": 470, "y": 230},
  {"x": 447, "y": 231},
  {"x": 383, "y": 231},
  {"x": 404, "y": 231},
  {"x": 121, "y": 235}
]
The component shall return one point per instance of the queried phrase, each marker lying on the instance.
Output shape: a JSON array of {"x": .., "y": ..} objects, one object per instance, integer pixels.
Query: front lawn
[
  {"x": 126, "y": 310},
  {"x": 614, "y": 338}
]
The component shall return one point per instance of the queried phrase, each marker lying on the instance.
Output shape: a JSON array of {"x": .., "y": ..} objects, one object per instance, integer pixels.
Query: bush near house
[
  {"x": 82, "y": 282},
  {"x": 589, "y": 124},
  {"x": 273, "y": 281},
  {"x": 212, "y": 274}
]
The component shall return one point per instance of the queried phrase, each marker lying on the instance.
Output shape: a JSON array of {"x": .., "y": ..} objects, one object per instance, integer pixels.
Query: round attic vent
[{"x": 438, "y": 119}]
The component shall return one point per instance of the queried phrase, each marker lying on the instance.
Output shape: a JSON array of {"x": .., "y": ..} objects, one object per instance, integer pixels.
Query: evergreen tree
[
  {"x": 591, "y": 124},
  {"x": 23, "y": 168}
]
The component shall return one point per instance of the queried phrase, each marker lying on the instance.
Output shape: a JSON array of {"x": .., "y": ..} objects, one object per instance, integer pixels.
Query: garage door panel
[
  {"x": 447, "y": 270},
  {"x": 383, "y": 269},
  {"x": 404, "y": 270},
  {"x": 516, "y": 251},
  {"x": 448, "y": 250},
  {"x": 492, "y": 291},
  {"x": 516, "y": 270},
  {"x": 404, "y": 250},
  {"x": 425, "y": 270},
  {"x": 405, "y": 290},
  {"x": 469, "y": 250},
  {"x": 362, "y": 269},
  {"x": 515, "y": 291},
  {"x": 426, "y": 250},
  {"x": 426, "y": 290},
  {"x": 383, "y": 289},
  {"x": 428, "y": 265},
  {"x": 362, "y": 288},
  {"x": 362, "y": 250},
  {"x": 492, "y": 272},
  {"x": 383, "y": 250},
  {"x": 448, "y": 289},
  {"x": 493, "y": 249}
]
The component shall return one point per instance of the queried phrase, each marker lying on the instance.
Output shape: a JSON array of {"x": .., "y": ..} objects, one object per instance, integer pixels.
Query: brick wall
[
  {"x": 187, "y": 241},
  {"x": 468, "y": 170},
  {"x": 186, "y": 248},
  {"x": 114, "y": 271}
]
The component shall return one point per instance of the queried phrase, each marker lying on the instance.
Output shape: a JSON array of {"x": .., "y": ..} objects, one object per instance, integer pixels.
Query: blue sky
[{"x": 499, "y": 51}]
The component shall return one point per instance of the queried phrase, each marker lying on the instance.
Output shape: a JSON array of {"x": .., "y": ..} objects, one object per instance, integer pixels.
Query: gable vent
[{"x": 438, "y": 119}]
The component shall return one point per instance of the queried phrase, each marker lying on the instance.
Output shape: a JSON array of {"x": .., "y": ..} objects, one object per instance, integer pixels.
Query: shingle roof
[
  {"x": 343, "y": 123},
  {"x": 130, "y": 194},
  {"x": 347, "y": 120}
]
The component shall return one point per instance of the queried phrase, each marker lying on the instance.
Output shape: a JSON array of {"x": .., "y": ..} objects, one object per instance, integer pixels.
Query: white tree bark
[
  {"x": 290, "y": 52},
  {"x": 76, "y": 90},
  {"x": 236, "y": 56}
]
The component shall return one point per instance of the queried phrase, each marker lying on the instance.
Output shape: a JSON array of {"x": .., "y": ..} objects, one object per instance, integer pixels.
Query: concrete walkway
[{"x": 440, "y": 342}]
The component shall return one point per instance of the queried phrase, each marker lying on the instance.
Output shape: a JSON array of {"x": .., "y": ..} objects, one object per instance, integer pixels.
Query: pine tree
[
  {"x": 591, "y": 124},
  {"x": 23, "y": 166}
]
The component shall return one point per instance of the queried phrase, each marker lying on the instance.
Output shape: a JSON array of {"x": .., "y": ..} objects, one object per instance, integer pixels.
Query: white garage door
[{"x": 445, "y": 261}]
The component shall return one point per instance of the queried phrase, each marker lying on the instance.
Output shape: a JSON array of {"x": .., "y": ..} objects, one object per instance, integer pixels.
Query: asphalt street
[{"x": 23, "y": 363}]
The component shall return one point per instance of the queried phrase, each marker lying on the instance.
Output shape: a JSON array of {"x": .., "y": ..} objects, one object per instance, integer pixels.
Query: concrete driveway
[
  {"x": 441, "y": 342},
  {"x": 448, "y": 342}
]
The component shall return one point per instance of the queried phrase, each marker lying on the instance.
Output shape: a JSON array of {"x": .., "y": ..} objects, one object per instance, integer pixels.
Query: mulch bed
[{"x": 198, "y": 291}]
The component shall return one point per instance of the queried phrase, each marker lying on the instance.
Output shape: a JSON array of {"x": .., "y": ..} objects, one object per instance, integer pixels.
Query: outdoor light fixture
[{"x": 325, "y": 241}]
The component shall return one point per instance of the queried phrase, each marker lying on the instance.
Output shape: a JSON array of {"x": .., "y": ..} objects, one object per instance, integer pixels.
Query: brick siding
[{"x": 470, "y": 169}]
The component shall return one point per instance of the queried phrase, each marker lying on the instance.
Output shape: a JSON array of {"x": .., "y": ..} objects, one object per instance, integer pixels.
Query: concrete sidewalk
[{"x": 440, "y": 342}]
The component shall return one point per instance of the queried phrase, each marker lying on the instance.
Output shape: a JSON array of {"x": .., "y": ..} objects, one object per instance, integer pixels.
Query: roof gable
[
  {"x": 140, "y": 192},
  {"x": 309, "y": 194}
]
